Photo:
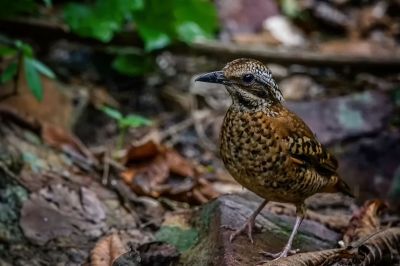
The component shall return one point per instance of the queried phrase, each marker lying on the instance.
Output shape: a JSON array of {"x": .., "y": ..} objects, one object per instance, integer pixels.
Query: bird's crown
[
  {"x": 239, "y": 68},
  {"x": 251, "y": 76}
]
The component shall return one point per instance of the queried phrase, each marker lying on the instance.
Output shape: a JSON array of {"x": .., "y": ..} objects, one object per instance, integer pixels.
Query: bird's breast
[{"x": 251, "y": 149}]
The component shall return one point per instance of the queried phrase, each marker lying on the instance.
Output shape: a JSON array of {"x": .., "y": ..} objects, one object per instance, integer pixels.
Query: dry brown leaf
[
  {"x": 380, "y": 247},
  {"x": 155, "y": 170},
  {"x": 142, "y": 152},
  {"x": 57, "y": 106},
  {"x": 147, "y": 178},
  {"x": 107, "y": 249},
  {"x": 65, "y": 141},
  {"x": 316, "y": 258},
  {"x": 178, "y": 165},
  {"x": 365, "y": 222},
  {"x": 150, "y": 253},
  {"x": 100, "y": 97}
]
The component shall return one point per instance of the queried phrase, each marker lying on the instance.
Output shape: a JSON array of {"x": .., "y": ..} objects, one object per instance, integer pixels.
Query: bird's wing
[{"x": 303, "y": 146}]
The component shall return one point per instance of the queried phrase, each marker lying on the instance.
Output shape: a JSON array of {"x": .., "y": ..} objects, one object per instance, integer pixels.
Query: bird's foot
[
  {"x": 284, "y": 253},
  {"x": 247, "y": 226}
]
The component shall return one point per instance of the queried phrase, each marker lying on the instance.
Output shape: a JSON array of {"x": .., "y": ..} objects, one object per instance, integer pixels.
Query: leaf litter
[{"x": 158, "y": 171}]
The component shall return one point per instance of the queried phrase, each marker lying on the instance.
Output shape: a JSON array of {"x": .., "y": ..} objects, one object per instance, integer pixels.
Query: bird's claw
[
  {"x": 284, "y": 253},
  {"x": 247, "y": 225}
]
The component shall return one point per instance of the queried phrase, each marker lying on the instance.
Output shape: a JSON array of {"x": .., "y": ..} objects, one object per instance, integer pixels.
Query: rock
[
  {"x": 59, "y": 214},
  {"x": 340, "y": 118},
  {"x": 371, "y": 166},
  {"x": 214, "y": 248}
]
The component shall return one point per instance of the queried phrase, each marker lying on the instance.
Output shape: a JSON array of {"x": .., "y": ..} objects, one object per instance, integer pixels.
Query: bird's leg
[
  {"x": 300, "y": 211},
  {"x": 249, "y": 224}
]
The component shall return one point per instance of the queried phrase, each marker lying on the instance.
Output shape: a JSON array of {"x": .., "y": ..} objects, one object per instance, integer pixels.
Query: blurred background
[{"x": 100, "y": 94}]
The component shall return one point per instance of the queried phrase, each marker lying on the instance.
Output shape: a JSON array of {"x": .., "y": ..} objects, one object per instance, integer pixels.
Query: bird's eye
[{"x": 248, "y": 78}]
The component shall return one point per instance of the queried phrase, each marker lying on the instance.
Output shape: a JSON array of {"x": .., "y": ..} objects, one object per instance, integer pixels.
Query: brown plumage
[{"x": 266, "y": 147}]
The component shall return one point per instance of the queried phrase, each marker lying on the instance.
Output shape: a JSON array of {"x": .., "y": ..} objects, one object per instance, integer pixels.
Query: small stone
[{"x": 299, "y": 87}]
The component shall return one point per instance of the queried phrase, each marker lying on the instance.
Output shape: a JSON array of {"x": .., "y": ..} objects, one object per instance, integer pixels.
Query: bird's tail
[{"x": 340, "y": 186}]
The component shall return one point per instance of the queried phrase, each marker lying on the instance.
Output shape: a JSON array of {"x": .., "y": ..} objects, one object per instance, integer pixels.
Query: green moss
[
  {"x": 11, "y": 199},
  {"x": 349, "y": 117},
  {"x": 206, "y": 214},
  {"x": 182, "y": 239}
]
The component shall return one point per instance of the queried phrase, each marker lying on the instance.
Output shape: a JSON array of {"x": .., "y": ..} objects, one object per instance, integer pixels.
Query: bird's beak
[{"x": 212, "y": 77}]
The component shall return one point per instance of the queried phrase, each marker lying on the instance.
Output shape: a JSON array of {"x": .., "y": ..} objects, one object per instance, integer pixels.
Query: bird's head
[{"x": 248, "y": 81}]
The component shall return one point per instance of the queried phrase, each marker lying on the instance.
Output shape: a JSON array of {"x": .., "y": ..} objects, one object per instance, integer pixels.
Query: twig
[
  {"x": 198, "y": 117},
  {"x": 175, "y": 129},
  {"x": 106, "y": 168},
  {"x": 229, "y": 51}
]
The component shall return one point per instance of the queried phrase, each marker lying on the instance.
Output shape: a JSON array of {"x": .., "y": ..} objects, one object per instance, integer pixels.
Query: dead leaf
[
  {"x": 365, "y": 222},
  {"x": 158, "y": 253},
  {"x": 378, "y": 248},
  {"x": 107, "y": 249},
  {"x": 147, "y": 178},
  {"x": 65, "y": 141},
  {"x": 58, "y": 106},
  {"x": 382, "y": 245},
  {"x": 177, "y": 164},
  {"x": 155, "y": 170},
  {"x": 142, "y": 152},
  {"x": 57, "y": 213},
  {"x": 148, "y": 254},
  {"x": 100, "y": 97},
  {"x": 316, "y": 258}
]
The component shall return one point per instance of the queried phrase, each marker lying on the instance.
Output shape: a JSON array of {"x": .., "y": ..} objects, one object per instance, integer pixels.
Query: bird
[{"x": 267, "y": 148}]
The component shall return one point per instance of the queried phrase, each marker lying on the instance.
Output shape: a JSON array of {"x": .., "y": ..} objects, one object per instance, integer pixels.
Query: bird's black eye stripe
[{"x": 248, "y": 78}]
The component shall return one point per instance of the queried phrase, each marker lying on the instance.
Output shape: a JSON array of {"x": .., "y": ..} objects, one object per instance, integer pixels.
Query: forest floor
[{"x": 115, "y": 170}]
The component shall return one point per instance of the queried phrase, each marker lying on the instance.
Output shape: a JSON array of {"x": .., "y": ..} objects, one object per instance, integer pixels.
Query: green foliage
[
  {"x": 161, "y": 22},
  {"x": 48, "y": 3},
  {"x": 158, "y": 22},
  {"x": 132, "y": 64},
  {"x": 33, "y": 79},
  {"x": 8, "y": 73},
  {"x": 111, "y": 112},
  {"x": 125, "y": 122},
  {"x": 290, "y": 8},
  {"x": 11, "y": 8},
  {"x": 42, "y": 68},
  {"x": 23, "y": 53},
  {"x": 102, "y": 19},
  {"x": 134, "y": 121}
]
